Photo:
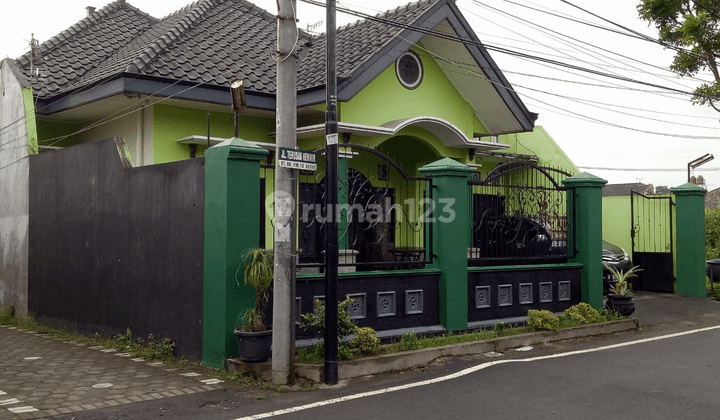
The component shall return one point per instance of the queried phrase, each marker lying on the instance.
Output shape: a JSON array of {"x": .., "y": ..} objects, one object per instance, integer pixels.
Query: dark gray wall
[
  {"x": 114, "y": 247},
  {"x": 510, "y": 292}
]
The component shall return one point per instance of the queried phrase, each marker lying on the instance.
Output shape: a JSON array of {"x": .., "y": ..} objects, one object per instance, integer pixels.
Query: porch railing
[{"x": 382, "y": 214}]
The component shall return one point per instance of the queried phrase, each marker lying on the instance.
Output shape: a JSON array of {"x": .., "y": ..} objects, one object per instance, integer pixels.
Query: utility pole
[
  {"x": 283, "y": 348},
  {"x": 331, "y": 203}
]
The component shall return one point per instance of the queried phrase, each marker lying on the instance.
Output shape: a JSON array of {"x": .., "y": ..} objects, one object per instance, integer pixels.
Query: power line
[
  {"x": 490, "y": 47},
  {"x": 528, "y": 23},
  {"x": 601, "y": 168}
]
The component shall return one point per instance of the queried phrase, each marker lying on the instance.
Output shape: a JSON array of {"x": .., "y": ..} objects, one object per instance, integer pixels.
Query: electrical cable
[
  {"x": 527, "y": 23},
  {"x": 492, "y": 48}
]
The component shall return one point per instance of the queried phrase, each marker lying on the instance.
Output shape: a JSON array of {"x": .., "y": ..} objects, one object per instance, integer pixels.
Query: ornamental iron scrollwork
[{"x": 519, "y": 214}]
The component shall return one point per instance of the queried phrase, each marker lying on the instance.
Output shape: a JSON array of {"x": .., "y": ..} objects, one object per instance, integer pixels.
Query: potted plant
[
  {"x": 253, "y": 337},
  {"x": 620, "y": 296}
]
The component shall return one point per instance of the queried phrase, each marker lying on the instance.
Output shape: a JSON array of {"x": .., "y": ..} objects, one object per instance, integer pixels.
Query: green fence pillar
[
  {"x": 587, "y": 237},
  {"x": 451, "y": 236},
  {"x": 690, "y": 240},
  {"x": 232, "y": 199}
]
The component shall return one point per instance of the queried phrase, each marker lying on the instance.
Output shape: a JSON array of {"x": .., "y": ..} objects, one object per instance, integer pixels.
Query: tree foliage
[
  {"x": 691, "y": 28},
  {"x": 712, "y": 233}
]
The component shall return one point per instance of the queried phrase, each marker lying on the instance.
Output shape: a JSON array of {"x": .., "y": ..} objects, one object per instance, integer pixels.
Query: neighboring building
[
  {"x": 712, "y": 199},
  {"x": 618, "y": 190}
]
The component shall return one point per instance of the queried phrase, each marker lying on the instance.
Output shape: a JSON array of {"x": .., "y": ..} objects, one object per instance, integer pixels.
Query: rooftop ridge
[
  {"x": 195, "y": 14},
  {"x": 253, "y": 6},
  {"x": 391, "y": 13},
  {"x": 80, "y": 26}
]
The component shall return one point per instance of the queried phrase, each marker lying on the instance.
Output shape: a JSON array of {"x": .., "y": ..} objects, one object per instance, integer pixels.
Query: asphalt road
[{"x": 665, "y": 379}]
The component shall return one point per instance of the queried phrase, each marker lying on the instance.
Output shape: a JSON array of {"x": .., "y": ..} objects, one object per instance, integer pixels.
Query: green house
[{"x": 160, "y": 87}]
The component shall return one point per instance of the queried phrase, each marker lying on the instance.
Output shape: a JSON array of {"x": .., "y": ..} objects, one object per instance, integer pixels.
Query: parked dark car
[{"x": 616, "y": 257}]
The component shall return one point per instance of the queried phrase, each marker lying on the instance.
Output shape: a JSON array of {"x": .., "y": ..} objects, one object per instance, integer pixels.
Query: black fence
[
  {"x": 520, "y": 216},
  {"x": 114, "y": 247},
  {"x": 382, "y": 215}
]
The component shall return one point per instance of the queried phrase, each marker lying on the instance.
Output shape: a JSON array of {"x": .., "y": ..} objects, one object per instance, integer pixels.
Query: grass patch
[{"x": 315, "y": 354}]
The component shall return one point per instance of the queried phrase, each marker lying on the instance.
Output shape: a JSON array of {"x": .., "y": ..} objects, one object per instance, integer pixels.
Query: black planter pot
[
  {"x": 620, "y": 304},
  {"x": 254, "y": 347}
]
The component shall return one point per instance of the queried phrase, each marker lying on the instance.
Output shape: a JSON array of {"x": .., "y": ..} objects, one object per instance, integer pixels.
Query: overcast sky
[{"x": 598, "y": 121}]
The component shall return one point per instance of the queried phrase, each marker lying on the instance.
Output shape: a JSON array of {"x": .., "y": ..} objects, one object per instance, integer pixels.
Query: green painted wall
[
  {"x": 31, "y": 126},
  {"x": 616, "y": 221},
  {"x": 50, "y": 131},
  {"x": 539, "y": 143},
  {"x": 171, "y": 123},
  {"x": 435, "y": 96}
]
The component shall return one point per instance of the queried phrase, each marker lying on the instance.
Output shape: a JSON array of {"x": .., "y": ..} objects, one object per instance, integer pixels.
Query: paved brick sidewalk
[{"x": 41, "y": 377}]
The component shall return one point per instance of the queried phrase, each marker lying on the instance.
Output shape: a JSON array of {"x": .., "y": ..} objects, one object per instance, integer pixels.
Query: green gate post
[
  {"x": 690, "y": 240},
  {"x": 451, "y": 236},
  {"x": 587, "y": 200},
  {"x": 232, "y": 199}
]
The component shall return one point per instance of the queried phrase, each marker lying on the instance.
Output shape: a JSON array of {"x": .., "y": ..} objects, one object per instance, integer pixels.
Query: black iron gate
[
  {"x": 652, "y": 242},
  {"x": 520, "y": 216}
]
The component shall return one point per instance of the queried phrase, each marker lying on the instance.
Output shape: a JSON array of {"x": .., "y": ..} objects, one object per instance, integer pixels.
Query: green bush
[
  {"x": 409, "y": 341},
  {"x": 316, "y": 319},
  {"x": 366, "y": 341},
  {"x": 499, "y": 328},
  {"x": 583, "y": 313},
  {"x": 712, "y": 233},
  {"x": 542, "y": 320}
]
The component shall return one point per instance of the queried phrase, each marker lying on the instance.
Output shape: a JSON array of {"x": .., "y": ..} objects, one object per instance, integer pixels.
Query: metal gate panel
[{"x": 652, "y": 242}]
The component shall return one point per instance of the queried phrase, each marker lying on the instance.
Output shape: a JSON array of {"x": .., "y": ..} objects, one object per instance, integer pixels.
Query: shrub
[
  {"x": 409, "y": 341},
  {"x": 583, "y": 313},
  {"x": 542, "y": 320},
  {"x": 366, "y": 341},
  {"x": 316, "y": 320},
  {"x": 499, "y": 328},
  {"x": 712, "y": 233}
]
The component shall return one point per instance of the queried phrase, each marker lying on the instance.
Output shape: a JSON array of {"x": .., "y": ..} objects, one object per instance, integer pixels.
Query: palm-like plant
[
  {"x": 622, "y": 287},
  {"x": 257, "y": 272}
]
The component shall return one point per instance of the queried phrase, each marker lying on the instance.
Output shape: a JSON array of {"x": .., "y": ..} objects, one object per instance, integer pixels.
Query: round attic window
[{"x": 409, "y": 70}]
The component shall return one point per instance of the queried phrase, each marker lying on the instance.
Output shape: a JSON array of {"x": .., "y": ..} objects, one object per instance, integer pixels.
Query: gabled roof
[
  {"x": 66, "y": 58},
  {"x": 209, "y": 41},
  {"x": 358, "y": 44},
  {"x": 119, "y": 49}
]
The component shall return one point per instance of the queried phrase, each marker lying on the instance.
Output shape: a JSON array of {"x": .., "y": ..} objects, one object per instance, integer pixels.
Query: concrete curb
[{"x": 417, "y": 358}]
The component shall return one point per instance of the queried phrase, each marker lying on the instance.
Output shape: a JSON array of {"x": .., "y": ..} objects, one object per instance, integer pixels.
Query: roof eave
[{"x": 151, "y": 86}]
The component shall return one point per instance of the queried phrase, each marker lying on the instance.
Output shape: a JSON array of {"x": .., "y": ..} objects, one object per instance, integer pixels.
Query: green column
[
  {"x": 587, "y": 199},
  {"x": 690, "y": 240},
  {"x": 232, "y": 199},
  {"x": 451, "y": 235}
]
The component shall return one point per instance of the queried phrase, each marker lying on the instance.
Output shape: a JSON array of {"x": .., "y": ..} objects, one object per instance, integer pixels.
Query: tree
[
  {"x": 662, "y": 189},
  {"x": 691, "y": 28}
]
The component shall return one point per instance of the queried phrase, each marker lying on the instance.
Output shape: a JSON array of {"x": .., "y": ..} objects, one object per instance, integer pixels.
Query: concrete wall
[
  {"x": 116, "y": 247},
  {"x": 14, "y": 188}
]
